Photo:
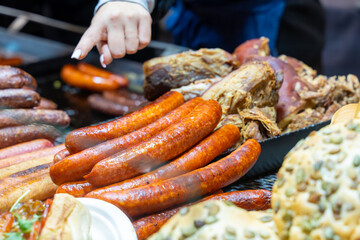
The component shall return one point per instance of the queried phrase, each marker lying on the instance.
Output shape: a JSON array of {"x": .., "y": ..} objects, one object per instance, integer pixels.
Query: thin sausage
[
  {"x": 174, "y": 191},
  {"x": 195, "y": 158},
  {"x": 116, "y": 97},
  {"x": 14, "y": 135},
  {"x": 12, "y": 77},
  {"x": 76, "y": 189},
  {"x": 61, "y": 155},
  {"x": 36, "y": 179},
  {"x": 25, "y": 147},
  {"x": 14, "y": 61},
  {"x": 92, "y": 70},
  {"x": 18, "y": 98},
  {"x": 6, "y": 162},
  {"x": 77, "y": 165},
  {"x": 46, "y": 104},
  {"x": 86, "y": 137},
  {"x": 17, "y": 117},
  {"x": 4, "y": 172},
  {"x": 99, "y": 103},
  {"x": 249, "y": 200},
  {"x": 166, "y": 145}
]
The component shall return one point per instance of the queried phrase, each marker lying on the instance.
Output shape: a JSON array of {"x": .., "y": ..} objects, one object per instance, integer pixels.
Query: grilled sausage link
[
  {"x": 161, "y": 148},
  {"x": 25, "y": 147},
  {"x": 12, "y": 77},
  {"x": 174, "y": 191},
  {"x": 86, "y": 137},
  {"x": 74, "y": 167},
  {"x": 19, "y": 98}
]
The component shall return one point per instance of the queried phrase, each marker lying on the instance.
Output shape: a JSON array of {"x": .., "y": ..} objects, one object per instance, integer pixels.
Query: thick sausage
[
  {"x": 161, "y": 148},
  {"x": 17, "y": 117},
  {"x": 4, "y": 172},
  {"x": 128, "y": 94},
  {"x": 36, "y": 179},
  {"x": 19, "y": 98},
  {"x": 14, "y": 135},
  {"x": 6, "y": 162},
  {"x": 116, "y": 97},
  {"x": 61, "y": 155},
  {"x": 76, "y": 78},
  {"x": 76, "y": 189},
  {"x": 25, "y": 147},
  {"x": 46, "y": 104},
  {"x": 14, "y": 61},
  {"x": 99, "y": 103},
  {"x": 12, "y": 77},
  {"x": 77, "y": 165},
  {"x": 249, "y": 200},
  {"x": 195, "y": 158},
  {"x": 92, "y": 70},
  {"x": 87, "y": 137},
  {"x": 174, "y": 191}
]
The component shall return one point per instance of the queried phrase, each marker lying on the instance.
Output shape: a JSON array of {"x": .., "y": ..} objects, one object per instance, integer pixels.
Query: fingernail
[
  {"x": 76, "y": 54},
  {"x": 102, "y": 61}
]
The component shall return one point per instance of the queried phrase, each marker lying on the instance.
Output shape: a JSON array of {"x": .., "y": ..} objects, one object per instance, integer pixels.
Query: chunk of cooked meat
[
  {"x": 174, "y": 71},
  {"x": 306, "y": 118},
  {"x": 253, "y": 47},
  {"x": 197, "y": 88}
]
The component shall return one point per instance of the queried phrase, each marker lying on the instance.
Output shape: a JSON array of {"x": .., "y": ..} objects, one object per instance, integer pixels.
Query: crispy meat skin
[{"x": 174, "y": 71}]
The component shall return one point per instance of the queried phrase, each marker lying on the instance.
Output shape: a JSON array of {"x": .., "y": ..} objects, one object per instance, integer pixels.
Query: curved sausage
[
  {"x": 12, "y": 77},
  {"x": 92, "y": 70},
  {"x": 99, "y": 103},
  {"x": 76, "y": 189},
  {"x": 76, "y": 78},
  {"x": 86, "y": 137},
  {"x": 36, "y": 179},
  {"x": 248, "y": 199},
  {"x": 174, "y": 191},
  {"x": 117, "y": 97},
  {"x": 46, "y": 104},
  {"x": 61, "y": 155},
  {"x": 14, "y": 135},
  {"x": 79, "y": 164},
  {"x": 18, "y": 98},
  {"x": 166, "y": 145},
  {"x": 17, "y": 117},
  {"x": 25, "y": 147},
  {"x": 197, "y": 157},
  {"x": 6, "y": 162}
]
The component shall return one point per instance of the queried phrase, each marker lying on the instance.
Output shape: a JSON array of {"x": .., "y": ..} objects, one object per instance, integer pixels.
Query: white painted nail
[
  {"x": 102, "y": 61},
  {"x": 76, "y": 54}
]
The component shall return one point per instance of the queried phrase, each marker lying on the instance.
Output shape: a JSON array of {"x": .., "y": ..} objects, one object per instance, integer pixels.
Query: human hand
[{"x": 118, "y": 28}]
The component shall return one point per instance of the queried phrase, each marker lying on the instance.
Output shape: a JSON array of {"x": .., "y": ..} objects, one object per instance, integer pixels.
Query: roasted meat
[{"x": 253, "y": 47}]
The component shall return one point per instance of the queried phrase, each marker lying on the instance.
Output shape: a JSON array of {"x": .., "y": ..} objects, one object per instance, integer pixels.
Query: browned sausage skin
[
  {"x": 19, "y": 98},
  {"x": 74, "y": 167},
  {"x": 249, "y": 200},
  {"x": 174, "y": 191},
  {"x": 12, "y": 77},
  {"x": 25, "y": 147},
  {"x": 161, "y": 148},
  {"x": 90, "y": 136}
]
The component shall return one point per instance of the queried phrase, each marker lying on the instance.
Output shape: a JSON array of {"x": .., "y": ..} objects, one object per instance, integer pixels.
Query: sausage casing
[
  {"x": 86, "y": 137},
  {"x": 159, "y": 149},
  {"x": 12, "y": 77},
  {"x": 25, "y": 147},
  {"x": 19, "y": 98}
]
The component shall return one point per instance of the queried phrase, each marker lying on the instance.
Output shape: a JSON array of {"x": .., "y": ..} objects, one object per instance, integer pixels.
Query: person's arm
[{"x": 118, "y": 27}]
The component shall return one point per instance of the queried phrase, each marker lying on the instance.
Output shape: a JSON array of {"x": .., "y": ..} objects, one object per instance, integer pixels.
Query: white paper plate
[{"x": 108, "y": 221}]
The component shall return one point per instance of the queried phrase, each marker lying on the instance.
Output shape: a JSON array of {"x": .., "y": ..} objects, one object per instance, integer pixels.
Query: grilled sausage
[
  {"x": 77, "y": 78},
  {"x": 14, "y": 61},
  {"x": 61, "y": 155},
  {"x": 12, "y": 77},
  {"x": 36, "y": 179},
  {"x": 92, "y": 70},
  {"x": 26, "y": 147},
  {"x": 4, "y": 172},
  {"x": 249, "y": 200},
  {"x": 76, "y": 189},
  {"x": 166, "y": 145},
  {"x": 174, "y": 191},
  {"x": 6, "y": 162},
  {"x": 46, "y": 104},
  {"x": 99, "y": 103},
  {"x": 117, "y": 97},
  {"x": 87, "y": 137},
  {"x": 14, "y": 135},
  {"x": 77, "y": 165},
  {"x": 195, "y": 158},
  {"x": 18, "y": 98},
  {"x": 17, "y": 117}
]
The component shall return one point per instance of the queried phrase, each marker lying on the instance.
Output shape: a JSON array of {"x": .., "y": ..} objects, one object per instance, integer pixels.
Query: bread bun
[
  {"x": 316, "y": 195},
  {"x": 214, "y": 220},
  {"x": 68, "y": 219}
]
